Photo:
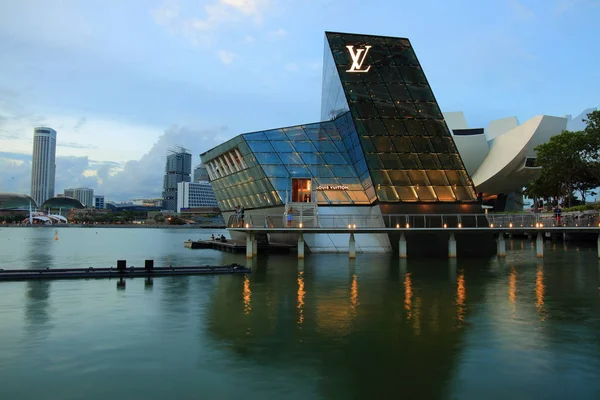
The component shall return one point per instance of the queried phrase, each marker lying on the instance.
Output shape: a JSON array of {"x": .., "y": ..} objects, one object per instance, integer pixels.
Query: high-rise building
[
  {"x": 195, "y": 195},
  {"x": 43, "y": 167},
  {"x": 178, "y": 169},
  {"x": 99, "y": 202},
  {"x": 84, "y": 195},
  {"x": 201, "y": 174}
]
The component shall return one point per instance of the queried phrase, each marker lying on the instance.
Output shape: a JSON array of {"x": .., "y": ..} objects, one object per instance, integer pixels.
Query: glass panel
[
  {"x": 379, "y": 91},
  {"x": 414, "y": 127},
  {"x": 373, "y": 161},
  {"x": 464, "y": 194},
  {"x": 275, "y": 134},
  {"x": 412, "y": 74},
  {"x": 275, "y": 170},
  {"x": 407, "y": 109},
  {"x": 439, "y": 144},
  {"x": 282, "y": 147},
  {"x": 255, "y": 136},
  {"x": 436, "y": 128},
  {"x": 453, "y": 178},
  {"x": 366, "y": 110},
  {"x": 429, "y": 110},
  {"x": 403, "y": 144},
  {"x": 422, "y": 144},
  {"x": 333, "y": 158},
  {"x": 446, "y": 161},
  {"x": 304, "y": 146},
  {"x": 380, "y": 178},
  {"x": 358, "y": 197},
  {"x": 383, "y": 144},
  {"x": 399, "y": 93},
  {"x": 357, "y": 91},
  {"x": 444, "y": 193},
  {"x": 324, "y": 172},
  {"x": 395, "y": 127},
  {"x": 390, "y": 161},
  {"x": 410, "y": 161},
  {"x": 399, "y": 178},
  {"x": 426, "y": 193},
  {"x": 421, "y": 93},
  {"x": 290, "y": 158},
  {"x": 299, "y": 171},
  {"x": 267, "y": 158},
  {"x": 438, "y": 178},
  {"x": 337, "y": 197},
  {"x": 367, "y": 144},
  {"x": 258, "y": 147},
  {"x": 386, "y": 109},
  {"x": 429, "y": 161},
  {"x": 295, "y": 133},
  {"x": 343, "y": 171},
  {"x": 418, "y": 177},
  {"x": 327, "y": 147},
  {"x": 375, "y": 126},
  {"x": 312, "y": 158},
  {"x": 389, "y": 74}
]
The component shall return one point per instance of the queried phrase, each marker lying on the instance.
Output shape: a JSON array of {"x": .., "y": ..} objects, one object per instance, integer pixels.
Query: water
[{"x": 326, "y": 328}]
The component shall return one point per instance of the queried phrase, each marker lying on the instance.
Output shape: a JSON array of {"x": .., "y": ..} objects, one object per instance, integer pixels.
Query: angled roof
[
  {"x": 15, "y": 200},
  {"x": 62, "y": 202}
]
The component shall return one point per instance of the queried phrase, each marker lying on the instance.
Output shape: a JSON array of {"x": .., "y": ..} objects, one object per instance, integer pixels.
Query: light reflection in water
[
  {"x": 512, "y": 288},
  {"x": 417, "y": 316},
  {"x": 408, "y": 296},
  {"x": 247, "y": 295},
  {"x": 461, "y": 296},
  {"x": 301, "y": 294},
  {"x": 354, "y": 294},
  {"x": 539, "y": 293}
]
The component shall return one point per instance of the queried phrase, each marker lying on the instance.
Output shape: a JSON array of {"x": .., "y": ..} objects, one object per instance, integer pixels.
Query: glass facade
[{"x": 383, "y": 139}]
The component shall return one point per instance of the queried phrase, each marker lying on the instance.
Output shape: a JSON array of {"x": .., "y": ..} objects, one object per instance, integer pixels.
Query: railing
[{"x": 413, "y": 221}]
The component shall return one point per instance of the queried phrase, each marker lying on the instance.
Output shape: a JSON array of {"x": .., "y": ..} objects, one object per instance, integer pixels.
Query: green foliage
[{"x": 570, "y": 163}]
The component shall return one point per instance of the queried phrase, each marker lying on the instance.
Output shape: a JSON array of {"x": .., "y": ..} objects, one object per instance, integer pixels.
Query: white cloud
[
  {"x": 226, "y": 57},
  {"x": 249, "y": 39},
  {"x": 167, "y": 14}
]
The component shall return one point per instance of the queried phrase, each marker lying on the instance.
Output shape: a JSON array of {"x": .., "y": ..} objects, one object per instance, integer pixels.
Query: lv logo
[{"x": 358, "y": 59}]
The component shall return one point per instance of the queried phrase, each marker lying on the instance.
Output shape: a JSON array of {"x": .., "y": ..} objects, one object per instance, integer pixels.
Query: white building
[
  {"x": 99, "y": 202},
  {"x": 195, "y": 195},
  {"x": 43, "y": 167},
  {"x": 501, "y": 159},
  {"x": 84, "y": 195}
]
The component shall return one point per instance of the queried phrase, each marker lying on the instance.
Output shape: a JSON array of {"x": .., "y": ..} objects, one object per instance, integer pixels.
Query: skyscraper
[
  {"x": 178, "y": 169},
  {"x": 84, "y": 195},
  {"x": 43, "y": 167}
]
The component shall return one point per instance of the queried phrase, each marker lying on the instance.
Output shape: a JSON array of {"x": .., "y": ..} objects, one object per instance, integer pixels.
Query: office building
[
  {"x": 84, "y": 195},
  {"x": 200, "y": 174},
  {"x": 43, "y": 165},
  {"x": 99, "y": 203},
  {"x": 195, "y": 195},
  {"x": 178, "y": 168}
]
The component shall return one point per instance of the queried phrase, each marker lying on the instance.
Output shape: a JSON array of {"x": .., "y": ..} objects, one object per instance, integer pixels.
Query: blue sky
[{"x": 123, "y": 81}]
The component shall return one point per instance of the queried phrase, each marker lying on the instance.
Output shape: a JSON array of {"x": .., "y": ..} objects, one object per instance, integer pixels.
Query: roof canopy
[
  {"x": 62, "y": 202},
  {"x": 15, "y": 200}
]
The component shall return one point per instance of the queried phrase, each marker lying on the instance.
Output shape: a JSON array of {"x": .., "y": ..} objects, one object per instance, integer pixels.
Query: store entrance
[{"x": 301, "y": 190}]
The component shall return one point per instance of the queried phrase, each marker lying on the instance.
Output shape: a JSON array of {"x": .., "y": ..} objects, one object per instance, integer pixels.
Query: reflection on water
[
  {"x": 539, "y": 292},
  {"x": 325, "y": 328},
  {"x": 301, "y": 294},
  {"x": 247, "y": 294},
  {"x": 461, "y": 295}
]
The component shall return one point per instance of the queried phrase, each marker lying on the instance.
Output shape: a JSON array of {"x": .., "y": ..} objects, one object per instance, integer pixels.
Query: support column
[
  {"x": 501, "y": 245},
  {"x": 452, "y": 246},
  {"x": 402, "y": 246},
  {"x": 248, "y": 245},
  {"x": 300, "y": 246},
  {"x": 539, "y": 245},
  {"x": 254, "y": 245},
  {"x": 352, "y": 247}
]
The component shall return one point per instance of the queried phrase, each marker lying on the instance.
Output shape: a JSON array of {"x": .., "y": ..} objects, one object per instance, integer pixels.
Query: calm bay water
[{"x": 325, "y": 328}]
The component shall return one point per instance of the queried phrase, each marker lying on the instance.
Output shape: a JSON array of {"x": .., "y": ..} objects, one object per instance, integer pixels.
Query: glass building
[{"x": 383, "y": 141}]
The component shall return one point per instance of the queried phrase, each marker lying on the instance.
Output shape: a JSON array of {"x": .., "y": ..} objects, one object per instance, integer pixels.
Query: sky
[{"x": 124, "y": 81}]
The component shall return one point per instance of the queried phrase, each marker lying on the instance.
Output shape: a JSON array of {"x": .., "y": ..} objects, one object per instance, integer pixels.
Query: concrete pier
[
  {"x": 352, "y": 247},
  {"x": 249, "y": 245},
  {"x": 402, "y": 246},
  {"x": 501, "y": 245},
  {"x": 539, "y": 245},
  {"x": 300, "y": 246},
  {"x": 452, "y": 246},
  {"x": 254, "y": 245}
]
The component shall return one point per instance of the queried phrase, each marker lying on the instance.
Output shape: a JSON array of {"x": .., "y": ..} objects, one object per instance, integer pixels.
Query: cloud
[
  {"x": 215, "y": 16},
  {"x": 520, "y": 11},
  {"x": 249, "y": 39},
  {"x": 79, "y": 124},
  {"x": 142, "y": 178},
  {"x": 226, "y": 57},
  {"x": 291, "y": 67},
  {"x": 8, "y": 136},
  {"x": 77, "y": 145}
]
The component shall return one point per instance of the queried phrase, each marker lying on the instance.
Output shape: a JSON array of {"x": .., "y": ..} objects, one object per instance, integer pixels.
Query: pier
[
  {"x": 234, "y": 246},
  {"x": 120, "y": 272},
  {"x": 450, "y": 226}
]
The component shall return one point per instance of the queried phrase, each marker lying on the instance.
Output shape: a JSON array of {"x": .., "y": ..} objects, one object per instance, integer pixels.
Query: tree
[{"x": 570, "y": 162}]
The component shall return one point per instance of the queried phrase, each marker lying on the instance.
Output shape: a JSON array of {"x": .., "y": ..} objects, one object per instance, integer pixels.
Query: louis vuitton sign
[{"x": 332, "y": 187}]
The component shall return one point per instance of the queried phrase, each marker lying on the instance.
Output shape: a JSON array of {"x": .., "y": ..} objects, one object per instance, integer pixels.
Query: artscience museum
[{"x": 383, "y": 147}]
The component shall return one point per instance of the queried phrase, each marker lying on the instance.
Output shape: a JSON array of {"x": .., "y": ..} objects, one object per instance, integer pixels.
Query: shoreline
[{"x": 129, "y": 226}]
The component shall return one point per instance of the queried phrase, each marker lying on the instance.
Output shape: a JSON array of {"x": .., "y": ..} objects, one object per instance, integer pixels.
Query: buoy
[{"x": 55, "y": 235}]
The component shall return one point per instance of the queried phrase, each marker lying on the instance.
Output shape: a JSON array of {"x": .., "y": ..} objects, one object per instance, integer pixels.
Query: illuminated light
[
  {"x": 510, "y": 225},
  {"x": 300, "y": 225},
  {"x": 445, "y": 226},
  {"x": 349, "y": 226},
  {"x": 541, "y": 225},
  {"x": 247, "y": 226},
  {"x": 408, "y": 225},
  {"x": 358, "y": 59},
  {"x": 397, "y": 225},
  {"x": 576, "y": 224},
  {"x": 492, "y": 225},
  {"x": 354, "y": 226},
  {"x": 459, "y": 225}
]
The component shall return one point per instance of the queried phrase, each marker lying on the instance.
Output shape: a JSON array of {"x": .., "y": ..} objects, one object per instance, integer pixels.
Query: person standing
[{"x": 290, "y": 215}]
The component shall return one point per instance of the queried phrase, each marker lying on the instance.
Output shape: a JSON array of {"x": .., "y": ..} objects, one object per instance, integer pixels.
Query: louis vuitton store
[{"x": 382, "y": 146}]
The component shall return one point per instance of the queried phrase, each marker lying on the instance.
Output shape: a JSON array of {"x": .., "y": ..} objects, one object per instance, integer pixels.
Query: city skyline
[{"x": 228, "y": 67}]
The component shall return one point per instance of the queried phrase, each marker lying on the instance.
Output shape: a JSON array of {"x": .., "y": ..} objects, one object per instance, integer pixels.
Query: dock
[
  {"x": 131, "y": 272},
  {"x": 237, "y": 246}
]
